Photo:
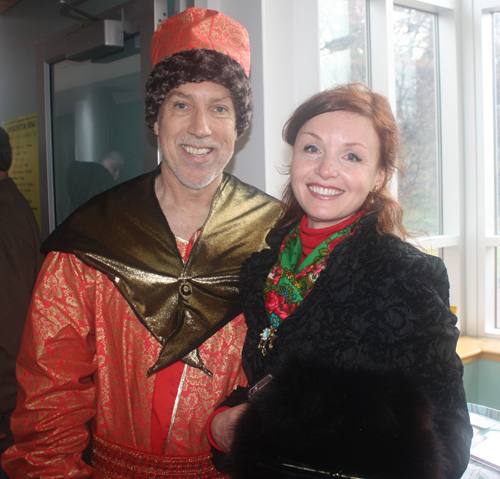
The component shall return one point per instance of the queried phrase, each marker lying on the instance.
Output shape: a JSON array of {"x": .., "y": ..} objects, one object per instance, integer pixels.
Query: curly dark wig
[{"x": 197, "y": 66}]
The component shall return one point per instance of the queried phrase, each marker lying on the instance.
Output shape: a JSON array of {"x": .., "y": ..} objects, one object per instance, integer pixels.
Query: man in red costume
[{"x": 134, "y": 333}]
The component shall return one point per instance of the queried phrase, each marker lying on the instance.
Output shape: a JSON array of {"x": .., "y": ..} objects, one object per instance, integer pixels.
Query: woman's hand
[{"x": 222, "y": 427}]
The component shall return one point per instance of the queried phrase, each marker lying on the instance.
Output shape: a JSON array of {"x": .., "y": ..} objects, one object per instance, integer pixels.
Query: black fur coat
[
  {"x": 380, "y": 304},
  {"x": 314, "y": 417}
]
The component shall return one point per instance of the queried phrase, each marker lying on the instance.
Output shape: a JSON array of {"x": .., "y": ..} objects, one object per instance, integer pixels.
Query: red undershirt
[{"x": 313, "y": 237}]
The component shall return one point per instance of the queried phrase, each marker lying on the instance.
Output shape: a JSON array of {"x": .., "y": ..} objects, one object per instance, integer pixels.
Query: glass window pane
[
  {"x": 97, "y": 120},
  {"x": 342, "y": 32},
  {"x": 496, "y": 56},
  {"x": 496, "y": 82},
  {"x": 417, "y": 114}
]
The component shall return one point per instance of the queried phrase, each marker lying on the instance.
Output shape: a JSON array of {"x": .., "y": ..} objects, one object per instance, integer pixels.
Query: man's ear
[{"x": 155, "y": 127}]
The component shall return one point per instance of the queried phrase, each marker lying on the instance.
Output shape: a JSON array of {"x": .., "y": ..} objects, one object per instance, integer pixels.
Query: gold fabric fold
[{"x": 124, "y": 234}]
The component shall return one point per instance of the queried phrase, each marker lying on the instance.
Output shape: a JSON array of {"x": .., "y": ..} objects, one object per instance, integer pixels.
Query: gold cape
[{"x": 124, "y": 234}]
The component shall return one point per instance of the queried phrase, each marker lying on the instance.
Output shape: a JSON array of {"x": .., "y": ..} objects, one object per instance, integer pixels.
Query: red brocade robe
[
  {"x": 59, "y": 397},
  {"x": 84, "y": 362}
]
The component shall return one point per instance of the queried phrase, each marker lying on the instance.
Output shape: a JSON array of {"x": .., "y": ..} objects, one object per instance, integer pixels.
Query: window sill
[{"x": 471, "y": 349}]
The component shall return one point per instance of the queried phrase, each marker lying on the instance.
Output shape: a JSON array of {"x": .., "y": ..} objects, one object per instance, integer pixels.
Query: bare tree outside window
[
  {"x": 417, "y": 114},
  {"x": 342, "y": 35}
]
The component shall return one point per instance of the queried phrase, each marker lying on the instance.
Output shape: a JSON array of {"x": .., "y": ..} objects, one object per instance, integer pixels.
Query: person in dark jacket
[
  {"x": 20, "y": 261},
  {"x": 349, "y": 323}
]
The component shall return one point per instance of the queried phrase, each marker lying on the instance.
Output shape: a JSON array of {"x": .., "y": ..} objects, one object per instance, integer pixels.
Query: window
[
  {"x": 344, "y": 58},
  {"x": 483, "y": 249},
  {"x": 343, "y": 52},
  {"x": 410, "y": 55},
  {"x": 96, "y": 126},
  {"x": 496, "y": 82},
  {"x": 495, "y": 168},
  {"x": 417, "y": 115},
  {"x": 438, "y": 63}
]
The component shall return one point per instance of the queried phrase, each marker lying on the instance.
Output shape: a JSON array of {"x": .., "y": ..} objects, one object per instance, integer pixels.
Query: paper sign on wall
[{"x": 23, "y": 133}]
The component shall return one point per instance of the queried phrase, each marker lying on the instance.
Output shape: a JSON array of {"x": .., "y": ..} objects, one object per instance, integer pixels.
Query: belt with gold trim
[{"x": 121, "y": 462}]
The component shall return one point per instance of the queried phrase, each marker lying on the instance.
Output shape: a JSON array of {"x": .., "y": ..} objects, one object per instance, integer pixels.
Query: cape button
[{"x": 185, "y": 290}]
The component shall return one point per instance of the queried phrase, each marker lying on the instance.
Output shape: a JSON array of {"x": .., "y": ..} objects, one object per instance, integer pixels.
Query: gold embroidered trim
[{"x": 120, "y": 462}]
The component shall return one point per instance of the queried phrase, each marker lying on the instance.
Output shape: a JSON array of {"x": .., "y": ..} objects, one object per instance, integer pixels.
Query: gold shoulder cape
[{"x": 124, "y": 234}]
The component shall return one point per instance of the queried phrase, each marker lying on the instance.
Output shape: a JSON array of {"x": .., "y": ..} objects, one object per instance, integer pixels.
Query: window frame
[
  {"x": 450, "y": 242},
  {"x": 487, "y": 241}
]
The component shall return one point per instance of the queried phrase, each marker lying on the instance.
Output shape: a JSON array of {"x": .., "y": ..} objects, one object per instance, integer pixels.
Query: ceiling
[{"x": 5, "y": 4}]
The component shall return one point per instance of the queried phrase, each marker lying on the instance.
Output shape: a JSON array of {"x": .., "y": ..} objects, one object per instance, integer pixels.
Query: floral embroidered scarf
[{"x": 289, "y": 282}]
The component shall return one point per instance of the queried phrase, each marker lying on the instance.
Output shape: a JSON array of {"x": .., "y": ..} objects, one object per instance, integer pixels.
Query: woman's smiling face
[{"x": 335, "y": 165}]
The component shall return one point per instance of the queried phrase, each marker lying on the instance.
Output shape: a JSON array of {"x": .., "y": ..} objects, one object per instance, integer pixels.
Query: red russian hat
[{"x": 201, "y": 28}]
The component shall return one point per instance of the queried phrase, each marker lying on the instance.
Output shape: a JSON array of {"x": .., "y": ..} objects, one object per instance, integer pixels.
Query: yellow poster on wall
[{"x": 23, "y": 133}]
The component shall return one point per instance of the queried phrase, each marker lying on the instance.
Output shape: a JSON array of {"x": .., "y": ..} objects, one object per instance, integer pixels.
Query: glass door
[
  {"x": 90, "y": 81},
  {"x": 96, "y": 126}
]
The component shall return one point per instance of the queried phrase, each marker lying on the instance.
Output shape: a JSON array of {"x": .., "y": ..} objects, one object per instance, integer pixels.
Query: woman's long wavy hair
[
  {"x": 197, "y": 66},
  {"x": 356, "y": 98}
]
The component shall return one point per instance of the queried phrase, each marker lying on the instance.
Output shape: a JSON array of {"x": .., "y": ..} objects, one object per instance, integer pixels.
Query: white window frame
[
  {"x": 480, "y": 183},
  {"x": 383, "y": 81}
]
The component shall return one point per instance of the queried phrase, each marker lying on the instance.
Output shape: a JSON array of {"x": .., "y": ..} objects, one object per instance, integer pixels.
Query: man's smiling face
[{"x": 197, "y": 129}]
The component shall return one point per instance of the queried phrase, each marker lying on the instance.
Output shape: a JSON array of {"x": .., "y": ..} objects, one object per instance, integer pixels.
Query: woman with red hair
[{"x": 350, "y": 321}]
